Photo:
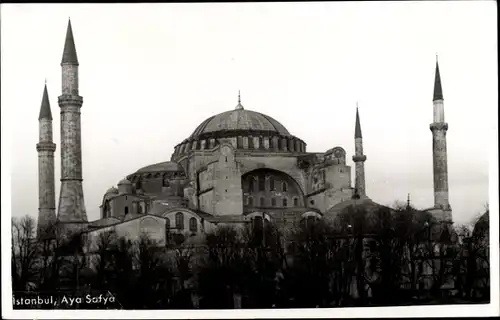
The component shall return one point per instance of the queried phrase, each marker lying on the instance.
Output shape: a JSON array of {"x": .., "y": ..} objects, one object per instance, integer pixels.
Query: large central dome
[
  {"x": 244, "y": 129},
  {"x": 239, "y": 120}
]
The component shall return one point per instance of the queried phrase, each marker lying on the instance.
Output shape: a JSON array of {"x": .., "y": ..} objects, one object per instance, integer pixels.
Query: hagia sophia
[{"x": 235, "y": 167}]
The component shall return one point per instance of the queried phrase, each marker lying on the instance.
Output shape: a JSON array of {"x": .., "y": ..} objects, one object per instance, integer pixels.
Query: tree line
[{"x": 403, "y": 258}]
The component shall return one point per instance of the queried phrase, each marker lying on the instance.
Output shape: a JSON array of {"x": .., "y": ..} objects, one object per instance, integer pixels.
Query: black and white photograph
[{"x": 242, "y": 160}]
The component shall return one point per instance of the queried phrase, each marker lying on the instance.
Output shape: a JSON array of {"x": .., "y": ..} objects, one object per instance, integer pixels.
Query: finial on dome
[{"x": 239, "y": 106}]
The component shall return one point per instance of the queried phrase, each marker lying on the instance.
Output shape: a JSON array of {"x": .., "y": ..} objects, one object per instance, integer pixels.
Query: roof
[
  {"x": 69, "y": 53},
  {"x": 369, "y": 207},
  {"x": 482, "y": 226},
  {"x": 239, "y": 119},
  {"x": 162, "y": 167},
  {"x": 45, "y": 112},
  {"x": 103, "y": 222}
]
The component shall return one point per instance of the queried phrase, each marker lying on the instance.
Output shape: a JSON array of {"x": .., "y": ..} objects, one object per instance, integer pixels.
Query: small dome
[
  {"x": 112, "y": 190},
  {"x": 124, "y": 182}
]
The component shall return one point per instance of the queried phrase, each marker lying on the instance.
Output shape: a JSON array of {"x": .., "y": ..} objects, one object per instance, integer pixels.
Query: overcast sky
[{"x": 150, "y": 73}]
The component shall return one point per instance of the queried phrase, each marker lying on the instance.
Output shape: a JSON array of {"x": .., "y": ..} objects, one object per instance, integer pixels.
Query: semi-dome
[
  {"x": 238, "y": 120},
  {"x": 167, "y": 166}
]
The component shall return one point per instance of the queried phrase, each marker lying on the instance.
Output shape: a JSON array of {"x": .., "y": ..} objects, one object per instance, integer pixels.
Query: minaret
[
  {"x": 72, "y": 215},
  {"x": 359, "y": 158},
  {"x": 439, "y": 155},
  {"x": 46, "y": 181}
]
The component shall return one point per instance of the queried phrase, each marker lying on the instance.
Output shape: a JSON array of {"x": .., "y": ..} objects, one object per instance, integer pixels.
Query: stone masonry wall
[
  {"x": 46, "y": 178},
  {"x": 440, "y": 165}
]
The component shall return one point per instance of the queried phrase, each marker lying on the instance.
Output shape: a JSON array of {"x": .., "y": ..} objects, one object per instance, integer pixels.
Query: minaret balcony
[
  {"x": 359, "y": 158},
  {"x": 438, "y": 126},
  {"x": 70, "y": 100},
  {"x": 46, "y": 146}
]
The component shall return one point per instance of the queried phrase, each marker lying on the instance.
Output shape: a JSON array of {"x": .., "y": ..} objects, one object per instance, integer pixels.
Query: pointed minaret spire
[
  {"x": 69, "y": 53},
  {"x": 239, "y": 106},
  {"x": 438, "y": 90},
  {"x": 408, "y": 202},
  {"x": 71, "y": 213},
  {"x": 46, "y": 180},
  {"x": 45, "y": 112},
  {"x": 359, "y": 159},
  {"x": 439, "y": 128},
  {"x": 357, "y": 129}
]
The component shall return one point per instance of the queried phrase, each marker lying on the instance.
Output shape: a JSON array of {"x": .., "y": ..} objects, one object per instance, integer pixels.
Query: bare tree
[{"x": 24, "y": 253}]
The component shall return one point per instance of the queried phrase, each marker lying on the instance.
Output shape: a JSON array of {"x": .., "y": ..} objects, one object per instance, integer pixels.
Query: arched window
[
  {"x": 295, "y": 202},
  {"x": 250, "y": 184},
  {"x": 271, "y": 183},
  {"x": 179, "y": 221},
  {"x": 126, "y": 209},
  {"x": 261, "y": 202},
  {"x": 273, "y": 202},
  {"x": 257, "y": 223},
  {"x": 250, "y": 142},
  {"x": 250, "y": 201},
  {"x": 285, "y": 202},
  {"x": 310, "y": 221},
  {"x": 193, "y": 225},
  {"x": 284, "y": 187},
  {"x": 262, "y": 183}
]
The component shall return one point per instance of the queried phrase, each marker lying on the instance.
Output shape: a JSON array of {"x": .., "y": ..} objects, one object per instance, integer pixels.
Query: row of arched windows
[
  {"x": 258, "y": 222},
  {"x": 179, "y": 222},
  {"x": 262, "y": 184},
  {"x": 262, "y": 202}
]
